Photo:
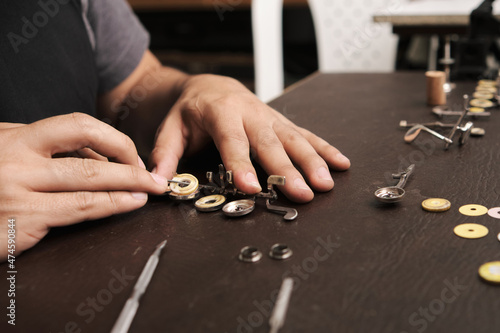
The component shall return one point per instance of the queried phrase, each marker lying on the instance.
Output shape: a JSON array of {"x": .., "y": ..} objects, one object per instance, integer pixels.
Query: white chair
[{"x": 347, "y": 39}]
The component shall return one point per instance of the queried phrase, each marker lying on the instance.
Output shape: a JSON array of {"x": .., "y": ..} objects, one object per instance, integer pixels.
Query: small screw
[
  {"x": 280, "y": 252},
  {"x": 250, "y": 254}
]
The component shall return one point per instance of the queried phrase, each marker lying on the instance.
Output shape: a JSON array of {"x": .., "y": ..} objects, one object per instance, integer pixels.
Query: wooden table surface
[{"x": 358, "y": 265}]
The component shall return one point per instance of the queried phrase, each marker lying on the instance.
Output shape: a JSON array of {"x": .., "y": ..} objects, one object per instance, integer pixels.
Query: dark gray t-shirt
[{"x": 117, "y": 37}]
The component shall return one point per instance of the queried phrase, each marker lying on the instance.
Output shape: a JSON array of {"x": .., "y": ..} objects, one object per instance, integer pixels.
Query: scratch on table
[{"x": 137, "y": 250}]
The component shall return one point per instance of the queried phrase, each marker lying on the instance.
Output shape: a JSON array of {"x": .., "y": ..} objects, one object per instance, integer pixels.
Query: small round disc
[
  {"x": 470, "y": 230},
  {"x": 482, "y": 103},
  {"x": 210, "y": 203},
  {"x": 477, "y": 131},
  {"x": 473, "y": 210},
  {"x": 483, "y": 95},
  {"x": 487, "y": 83},
  {"x": 436, "y": 205},
  {"x": 239, "y": 207},
  {"x": 490, "y": 89},
  {"x": 490, "y": 271},
  {"x": 494, "y": 212},
  {"x": 181, "y": 189},
  {"x": 476, "y": 109}
]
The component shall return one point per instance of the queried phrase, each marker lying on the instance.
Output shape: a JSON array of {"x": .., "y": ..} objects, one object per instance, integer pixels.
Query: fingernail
[
  {"x": 300, "y": 184},
  {"x": 324, "y": 174},
  {"x": 159, "y": 179},
  {"x": 141, "y": 163},
  {"x": 252, "y": 180},
  {"x": 341, "y": 158},
  {"x": 141, "y": 196}
]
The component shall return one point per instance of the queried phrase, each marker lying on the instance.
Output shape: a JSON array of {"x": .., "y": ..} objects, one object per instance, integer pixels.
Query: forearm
[{"x": 138, "y": 105}]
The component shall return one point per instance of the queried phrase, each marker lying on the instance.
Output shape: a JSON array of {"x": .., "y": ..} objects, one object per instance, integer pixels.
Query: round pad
[
  {"x": 490, "y": 89},
  {"x": 436, "y": 205},
  {"x": 473, "y": 210},
  {"x": 182, "y": 189},
  {"x": 483, "y": 95},
  {"x": 494, "y": 212},
  {"x": 210, "y": 203},
  {"x": 491, "y": 83},
  {"x": 476, "y": 109},
  {"x": 239, "y": 207},
  {"x": 482, "y": 103},
  {"x": 470, "y": 230},
  {"x": 490, "y": 271}
]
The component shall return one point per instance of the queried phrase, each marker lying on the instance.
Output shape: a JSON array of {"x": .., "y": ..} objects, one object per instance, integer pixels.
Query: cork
[{"x": 435, "y": 90}]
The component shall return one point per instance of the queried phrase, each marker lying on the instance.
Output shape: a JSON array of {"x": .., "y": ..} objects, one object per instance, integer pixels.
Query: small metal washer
[
  {"x": 250, "y": 254},
  {"x": 280, "y": 252},
  {"x": 210, "y": 203},
  {"x": 239, "y": 207}
]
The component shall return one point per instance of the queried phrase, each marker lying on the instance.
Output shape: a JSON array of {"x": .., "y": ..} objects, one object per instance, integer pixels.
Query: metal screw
[
  {"x": 250, "y": 254},
  {"x": 280, "y": 252}
]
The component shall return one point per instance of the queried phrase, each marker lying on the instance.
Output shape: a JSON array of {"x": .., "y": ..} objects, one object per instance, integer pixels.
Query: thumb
[{"x": 169, "y": 145}]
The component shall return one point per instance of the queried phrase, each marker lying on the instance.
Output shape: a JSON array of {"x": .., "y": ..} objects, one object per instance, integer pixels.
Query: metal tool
[
  {"x": 405, "y": 124},
  {"x": 223, "y": 186},
  {"x": 465, "y": 130},
  {"x": 447, "y": 61},
  {"x": 290, "y": 213},
  {"x": 180, "y": 182},
  {"x": 393, "y": 194},
  {"x": 123, "y": 322},
  {"x": 278, "y": 315},
  {"x": 413, "y": 132}
]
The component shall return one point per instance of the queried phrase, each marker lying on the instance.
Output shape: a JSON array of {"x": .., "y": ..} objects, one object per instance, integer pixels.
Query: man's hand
[
  {"x": 41, "y": 192},
  {"x": 241, "y": 125},
  {"x": 203, "y": 107}
]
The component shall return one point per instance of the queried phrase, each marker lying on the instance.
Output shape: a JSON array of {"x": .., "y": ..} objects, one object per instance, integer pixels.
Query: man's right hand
[{"x": 41, "y": 192}]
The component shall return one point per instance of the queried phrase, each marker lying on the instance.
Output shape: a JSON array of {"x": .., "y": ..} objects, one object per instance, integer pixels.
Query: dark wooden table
[{"x": 358, "y": 265}]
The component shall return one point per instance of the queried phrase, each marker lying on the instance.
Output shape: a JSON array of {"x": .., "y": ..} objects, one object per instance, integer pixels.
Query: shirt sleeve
[{"x": 118, "y": 38}]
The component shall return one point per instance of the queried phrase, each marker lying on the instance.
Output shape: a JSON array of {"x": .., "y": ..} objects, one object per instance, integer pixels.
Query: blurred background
[
  {"x": 200, "y": 36},
  {"x": 215, "y": 36}
]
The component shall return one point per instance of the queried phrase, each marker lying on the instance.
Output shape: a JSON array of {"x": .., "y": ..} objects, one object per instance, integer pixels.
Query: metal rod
[
  {"x": 462, "y": 116},
  {"x": 404, "y": 176},
  {"x": 123, "y": 322},
  {"x": 277, "y": 319}
]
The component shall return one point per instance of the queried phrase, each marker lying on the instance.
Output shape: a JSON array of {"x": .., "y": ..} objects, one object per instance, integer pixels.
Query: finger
[
  {"x": 231, "y": 140},
  {"x": 330, "y": 154},
  {"x": 75, "y": 131},
  {"x": 77, "y": 174},
  {"x": 65, "y": 208},
  {"x": 169, "y": 147},
  {"x": 89, "y": 153},
  {"x": 305, "y": 156},
  {"x": 272, "y": 156}
]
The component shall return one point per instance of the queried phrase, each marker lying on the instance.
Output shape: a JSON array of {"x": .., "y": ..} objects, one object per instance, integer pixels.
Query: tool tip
[{"x": 161, "y": 245}]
